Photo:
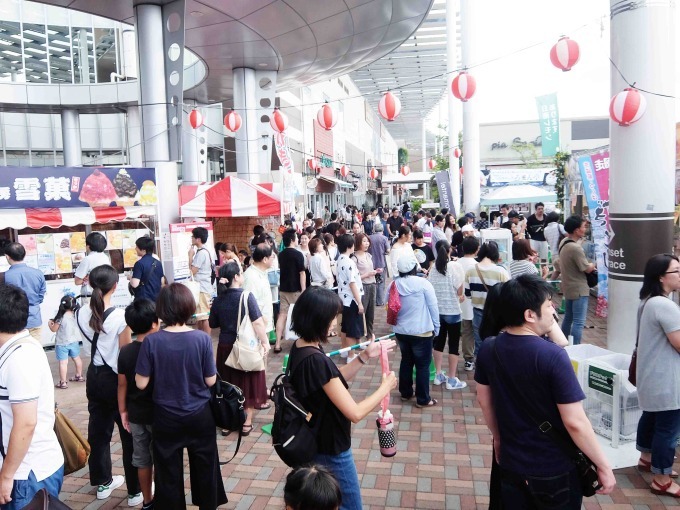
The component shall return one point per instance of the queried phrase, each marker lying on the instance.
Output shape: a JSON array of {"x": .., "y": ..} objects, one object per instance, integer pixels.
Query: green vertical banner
[{"x": 549, "y": 120}]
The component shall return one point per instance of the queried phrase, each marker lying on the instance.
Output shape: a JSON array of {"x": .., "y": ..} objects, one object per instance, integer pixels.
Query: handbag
[
  {"x": 585, "y": 468},
  {"x": 75, "y": 447},
  {"x": 246, "y": 354},
  {"x": 43, "y": 500},
  {"x": 274, "y": 277},
  {"x": 227, "y": 406},
  {"x": 133, "y": 290},
  {"x": 632, "y": 368},
  {"x": 393, "y": 305}
]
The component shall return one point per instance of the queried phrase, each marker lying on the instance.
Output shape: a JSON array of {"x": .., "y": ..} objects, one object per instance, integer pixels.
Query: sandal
[
  {"x": 246, "y": 430},
  {"x": 432, "y": 402},
  {"x": 277, "y": 350},
  {"x": 77, "y": 378},
  {"x": 63, "y": 385},
  {"x": 264, "y": 407},
  {"x": 646, "y": 467},
  {"x": 333, "y": 333},
  {"x": 664, "y": 490},
  {"x": 225, "y": 432}
]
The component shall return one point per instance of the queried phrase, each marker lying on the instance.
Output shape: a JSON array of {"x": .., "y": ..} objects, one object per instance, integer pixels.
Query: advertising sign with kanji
[
  {"x": 549, "y": 120},
  {"x": 47, "y": 187}
]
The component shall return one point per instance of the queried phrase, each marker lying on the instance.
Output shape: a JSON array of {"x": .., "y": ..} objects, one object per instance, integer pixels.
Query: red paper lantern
[
  {"x": 195, "y": 118},
  {"x": 564, "y": 54},
  {"x": 627, "y": 107},
  {"x": 461, "y": 171},
  {"x": 431, "y": 164},
  {"x": 232, "y": 121},
  {"x": 327, "y": 117},
  {"x": 456, "y": 152},
  {"x": 344, "y": 171},
  {"x": 278, "y": 121},
  {"x": 373, "y": 174},
  {"x": 405, "y": 170},
  {"x": 464, "y": 86},
  {"x": 389, "y": 106},
  {"x": 313, "y": 164}
]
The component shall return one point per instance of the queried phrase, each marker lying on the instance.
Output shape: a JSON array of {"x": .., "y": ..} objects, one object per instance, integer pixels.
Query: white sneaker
[
  {"x": 104, "y": 491},
  {"x": 469, "y": 366},
  {"x": 440, "y": 378},
  {"x": 135, "y": 499},
  {"x": 453, "y": 383}
]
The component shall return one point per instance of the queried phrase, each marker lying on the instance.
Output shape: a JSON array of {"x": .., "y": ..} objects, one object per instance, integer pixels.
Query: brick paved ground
[{"x": 443, "y": 459}]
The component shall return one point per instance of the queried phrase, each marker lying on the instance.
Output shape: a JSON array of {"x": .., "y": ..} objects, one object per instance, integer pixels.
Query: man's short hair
[
  {"x": 345, "y": 242},
  {"x": 438, "y": 218},
  {"x": 334, "y": 216},
  {"x": 200, "y": 233},
  {"x": 418, "y": 234},
  {"x": 539, "y": 204},
  {"x": 310, "y": 215},
  {"x": 526, "y": 292},
  {"x": 288, "y": 236},
  {"x": 15, "y": 251},
  {"x": 572, "y": 223},
  {"x": 462, "y": 221},
  {"x": 145, "y": 243},
  {"x": 140, "y": 316},
  {"x": 258, "y": 230},
  {"x": 513, "y": 214},
  {"x": 483, "y": 215},
  {"x": 261, "y": 251},
  {"x": 470, "y": 245},
  {"x": 96, "y": 242},
  {"x": 395, "y": 209},
  {"x": 377, "y": 228},
  {"x": 505, "y": 206},
  {"x": 13, "y": 309}
]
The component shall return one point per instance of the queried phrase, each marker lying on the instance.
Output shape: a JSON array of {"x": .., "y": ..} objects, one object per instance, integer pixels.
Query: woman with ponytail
[
  {"x": 104, "y": 332},
  {"x": 447, "y": 278}
]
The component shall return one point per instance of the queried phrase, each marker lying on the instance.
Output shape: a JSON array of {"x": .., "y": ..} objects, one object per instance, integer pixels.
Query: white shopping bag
[{"x": 289, "y": 334}]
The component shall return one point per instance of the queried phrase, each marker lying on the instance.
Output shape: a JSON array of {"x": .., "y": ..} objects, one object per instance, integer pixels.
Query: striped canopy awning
[{"x": 69, "y": 216}]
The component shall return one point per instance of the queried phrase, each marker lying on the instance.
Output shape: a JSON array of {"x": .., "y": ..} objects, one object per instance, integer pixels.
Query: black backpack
[{"x": 293, "y": 437}]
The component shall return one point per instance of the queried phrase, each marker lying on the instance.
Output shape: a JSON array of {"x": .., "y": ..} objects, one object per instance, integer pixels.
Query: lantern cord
[{"x": 632, "y": 85}]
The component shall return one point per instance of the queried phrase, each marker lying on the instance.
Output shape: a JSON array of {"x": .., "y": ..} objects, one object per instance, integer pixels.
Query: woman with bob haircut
[
  {"x": 180, "y": 361},
  {"x": 311, "y": 488},
  {"x": 657, "y": 353},
  {"x": 323, "y": 390},
  {"x": 523, "y": 259}
]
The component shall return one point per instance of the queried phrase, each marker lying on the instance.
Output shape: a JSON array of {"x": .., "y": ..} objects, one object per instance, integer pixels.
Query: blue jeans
[
  {"x": 24, "y": 490},
  {"x": 476, "y": 323},
  {"x": 415, "y": 350},
  {"x": 575, "y": 312},
  {"x": 345, "y": 471},
  {"x": 658, "y": 433}
]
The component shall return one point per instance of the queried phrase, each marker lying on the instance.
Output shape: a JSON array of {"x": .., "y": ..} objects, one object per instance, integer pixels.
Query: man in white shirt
[
  {"x": 31, "y": 455},
  {"x": 256, "y": 281},
  {"x": 95, "y": 244},
  {"x": 202, "y": 269}
]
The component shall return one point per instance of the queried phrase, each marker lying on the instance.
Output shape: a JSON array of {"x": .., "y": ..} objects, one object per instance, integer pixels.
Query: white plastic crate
[
  {"x": 610, "y": 398},
  {"x": 580, "y": 353}
]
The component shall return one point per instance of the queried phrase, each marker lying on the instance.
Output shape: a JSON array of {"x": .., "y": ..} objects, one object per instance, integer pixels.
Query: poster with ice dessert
[
  {"x": 114, "y": 240},
  {"x": 46, "y": 263},
  {"x": 29, "y": 243},
  {"x": 77, "y": 242},
  {"x": 45, "y": 243},
  {"x": 62, "y": 253}
]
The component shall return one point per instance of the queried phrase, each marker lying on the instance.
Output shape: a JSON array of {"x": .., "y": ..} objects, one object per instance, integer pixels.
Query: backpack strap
[
  {"x": 95, "y": 337},
  {"x": 564, "y": 244}
]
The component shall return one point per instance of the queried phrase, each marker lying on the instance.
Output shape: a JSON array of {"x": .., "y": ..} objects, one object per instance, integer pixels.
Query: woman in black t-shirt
[{"x": 323, "y": 389}]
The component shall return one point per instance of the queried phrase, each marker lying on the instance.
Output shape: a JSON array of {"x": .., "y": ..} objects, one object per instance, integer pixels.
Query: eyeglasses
[{"x": 670, "y": 272}]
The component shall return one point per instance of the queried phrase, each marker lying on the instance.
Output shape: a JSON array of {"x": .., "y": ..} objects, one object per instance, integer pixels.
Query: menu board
[
  {"x": 77, "y": 240},
  {"x": 114, "y": 240},
  {"x": 180, "y": 236},
  {"x": 45, "y": 259},
  {"x": 62, "y": 253}
]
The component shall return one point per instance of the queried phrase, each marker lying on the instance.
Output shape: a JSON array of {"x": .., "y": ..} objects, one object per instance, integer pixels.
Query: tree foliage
[{"x": 560, "y": 161}]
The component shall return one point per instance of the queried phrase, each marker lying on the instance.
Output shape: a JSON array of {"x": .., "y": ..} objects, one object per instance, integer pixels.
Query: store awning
[
  {"x": 69, "y": 216},
  {"x": 229, "y": 198},
  {"x": 520, "y": 194},
  {"x": 412, "y": 178},
  {"x": 342, "y": 184}
]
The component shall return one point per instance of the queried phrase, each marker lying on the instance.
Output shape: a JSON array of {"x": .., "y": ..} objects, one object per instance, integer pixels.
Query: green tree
[
  {"x": 528, "y": 153},
  {"x": 402, "y": 156},
  {"x": 560, "y": 161}
]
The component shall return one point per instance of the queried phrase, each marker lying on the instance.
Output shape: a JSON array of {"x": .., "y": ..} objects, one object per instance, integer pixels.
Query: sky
[{"x": 507, "y": 87}]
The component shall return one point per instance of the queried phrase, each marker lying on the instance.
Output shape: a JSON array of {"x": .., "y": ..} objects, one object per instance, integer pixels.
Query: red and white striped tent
[
  {"x": 229, "y": 198},
  {"x": 69, "y": 216}
]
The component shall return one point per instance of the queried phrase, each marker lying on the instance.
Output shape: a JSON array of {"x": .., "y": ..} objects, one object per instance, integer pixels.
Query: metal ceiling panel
[
  {"x": 372, "y": 15},
  {"x": 322, "y": 9},
  {"x": 333, "y": 28},
  {"x": 219, "y": 34},
  {"x": 294, "y": 42},
  {"x": 274, "y": 20},
  {"x": 236, "y": 9}
]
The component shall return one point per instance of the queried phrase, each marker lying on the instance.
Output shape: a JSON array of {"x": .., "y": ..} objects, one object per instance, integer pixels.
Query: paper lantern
[
  {"x": 195, "y": 118},
  {"x": 232, "y": 121},
  {"x": 405, "y": 170},
  {"x": 456, "y": 152},
  {"x": 344, "y": 171},
  {"x": 327, "y": 117},
  {"x": 313, "y": 164},
  {"x": 431, "y": 164},
  {"x": 564, "y": 54},
  {"x": 627, "y": 107},
  {"x": 373, "y": 174},
  {"x": 278, "y": 121},
  {"x": 389, "y": 106},
  {"x": 463, "y": 86}
]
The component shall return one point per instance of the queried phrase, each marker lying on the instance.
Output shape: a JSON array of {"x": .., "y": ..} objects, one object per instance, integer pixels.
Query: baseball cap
[
  {"x": 467, "y": 228},
  {"x": 470, "y": 215},
  {"x": 513, "y": 214},
  {"x": 406, "y": 263}
]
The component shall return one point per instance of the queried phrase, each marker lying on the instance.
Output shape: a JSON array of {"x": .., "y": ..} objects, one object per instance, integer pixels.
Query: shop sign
[
  {"x": 496, "y": 177},
  {"x": 57, "y": 187},
  {"x": 601, "y": 380}
]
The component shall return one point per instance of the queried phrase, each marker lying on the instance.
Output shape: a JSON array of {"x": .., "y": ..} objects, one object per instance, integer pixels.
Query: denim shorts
[
  {"x": 67, "y": 351},
  {"x": 141, "y": 445},
  {"x": 24, "y": 491}
]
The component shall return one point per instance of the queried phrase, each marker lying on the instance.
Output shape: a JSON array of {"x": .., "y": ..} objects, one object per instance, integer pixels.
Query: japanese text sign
[{"x": 549, "y": 121}]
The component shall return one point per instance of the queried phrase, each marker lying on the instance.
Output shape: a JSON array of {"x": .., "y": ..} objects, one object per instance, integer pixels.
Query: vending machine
[{"x": 503, "y": 237}]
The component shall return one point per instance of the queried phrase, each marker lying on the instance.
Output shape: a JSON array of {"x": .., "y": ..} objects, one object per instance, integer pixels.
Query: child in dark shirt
[{"x": 135, "y": 405}]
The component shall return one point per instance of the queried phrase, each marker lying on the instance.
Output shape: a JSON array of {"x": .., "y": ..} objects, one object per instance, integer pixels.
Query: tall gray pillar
[
  {"x": 453, "y": 127},
  {"x": 423, "y": 146},
  {"x": 642, "y": 158},
  {"x": 70, "y": 133},
  {"x": 134, "y": 137},
  {"x": 247, "y": 142}
]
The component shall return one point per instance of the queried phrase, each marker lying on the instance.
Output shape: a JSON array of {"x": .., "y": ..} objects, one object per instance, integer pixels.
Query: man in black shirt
[
  {"x": 292, "y": 282},
  {"x": 422, "y": 251},
  {"x": 394, "y": 222},
  {"x": 536, "y": 227}
]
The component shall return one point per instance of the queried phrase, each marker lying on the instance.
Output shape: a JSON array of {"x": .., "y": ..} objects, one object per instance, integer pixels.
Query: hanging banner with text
[
  {"x": 549, "y": 120},
  {"x": 594, "y": 170},
  {"x": 287, "y": 171},
  {"x": 444, "y": 187}
]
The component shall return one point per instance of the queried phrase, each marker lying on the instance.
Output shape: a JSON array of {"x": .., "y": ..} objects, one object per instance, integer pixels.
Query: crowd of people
[{"x": 150, "y": 372}]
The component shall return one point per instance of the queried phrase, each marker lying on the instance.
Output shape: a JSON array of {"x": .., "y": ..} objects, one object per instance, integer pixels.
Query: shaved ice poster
[{"x": 46, "y": 187}]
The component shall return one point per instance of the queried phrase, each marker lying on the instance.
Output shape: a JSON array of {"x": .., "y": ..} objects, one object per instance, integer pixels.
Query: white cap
[
  {"x": 467, "y": 228},
  {"x": 406, "y": 263}
]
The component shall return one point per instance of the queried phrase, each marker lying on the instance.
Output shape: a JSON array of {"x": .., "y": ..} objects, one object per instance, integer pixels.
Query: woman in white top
[
  {"x": 319, "y": 265},
  {"x": 450, "y": 226},
  {"x": 103, "y": 324},
  {"x": 400, "y": 248}
]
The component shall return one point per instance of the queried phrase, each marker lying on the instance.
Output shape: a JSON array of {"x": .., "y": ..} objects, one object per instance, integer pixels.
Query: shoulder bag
[
  {"x": 227, "y": 406},
  {"x": 75, "y": 447},
  {"x": 479, "y": 273},
  {"x": 133, "y": 290},
  {"x": 393, "y": 304},
  {"x": 43, "y": 500},
  {"x": 632, "y": 368},
  {"x": 586, "y": 469},
  {"x": 591, "y": 277},
  {"x": 246, "y": 354}
]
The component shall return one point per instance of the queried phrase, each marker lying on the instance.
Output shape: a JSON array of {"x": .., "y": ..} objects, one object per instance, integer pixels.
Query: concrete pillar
[
  {"x": 423, "y": 146},
  {"x": 195, "y": 149},
  {"x": 134, "y": 137},
  {"x": 471, "y": 185},
  {"x": 453, "y": 128},
  {"x": 247, "y": 142},
  {"x": 83, "y": 56},
  {"x": 70, "y": 133},
  {"x": 152, "y": 86},
  {"x": 642, "y": 159}
]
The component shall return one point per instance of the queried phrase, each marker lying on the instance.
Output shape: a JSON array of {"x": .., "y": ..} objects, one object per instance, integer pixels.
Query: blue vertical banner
[{"x": 549, "y": 121}]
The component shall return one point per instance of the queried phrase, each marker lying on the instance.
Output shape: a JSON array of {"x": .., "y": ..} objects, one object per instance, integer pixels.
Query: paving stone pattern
[{"x": 443, "y": 459}]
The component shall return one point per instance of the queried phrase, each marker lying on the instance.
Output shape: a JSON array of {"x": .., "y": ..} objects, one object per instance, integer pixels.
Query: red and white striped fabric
[
  {"x": 463, "y": 86},
  {"x": 327, "y": 117},
  {"x": 69, "y": 216},
  {"x": 389, "y": 106},
  {"x": 565, "y": 54},
  {"x": 278, "y": 121},
  {"x": 195, "y": 118},
  {"x": 232, "y": 121},
  {"x": 627, "y": 107},
  {"x": 229, "y": 198}
]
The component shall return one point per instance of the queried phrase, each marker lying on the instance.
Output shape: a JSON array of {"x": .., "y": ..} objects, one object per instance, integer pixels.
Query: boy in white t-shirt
[
  {"x": 95, "y": 244},
  {"x": 350, "y": 290}
]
